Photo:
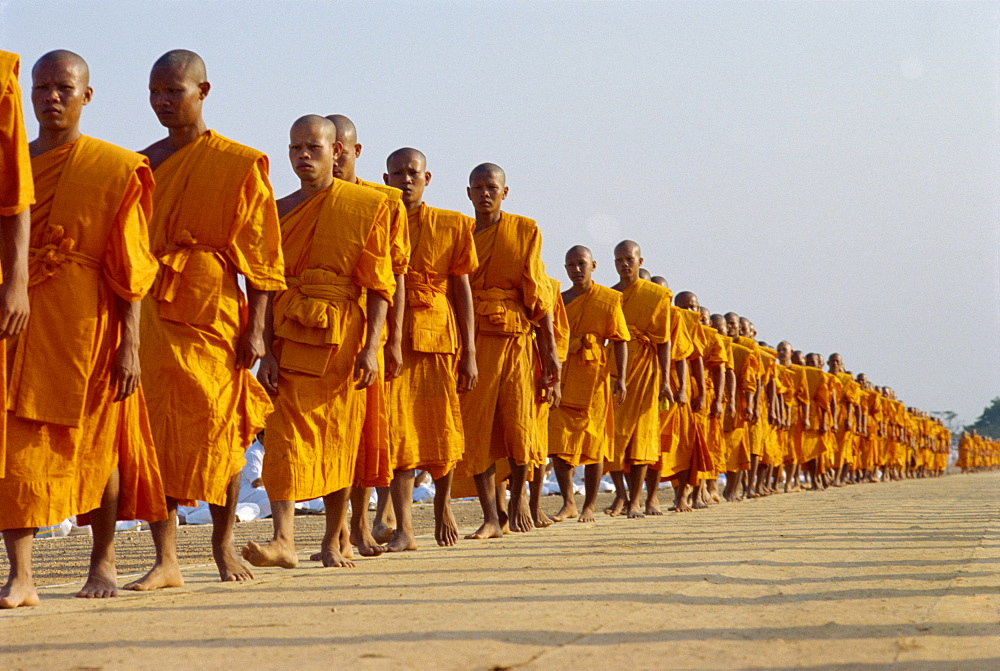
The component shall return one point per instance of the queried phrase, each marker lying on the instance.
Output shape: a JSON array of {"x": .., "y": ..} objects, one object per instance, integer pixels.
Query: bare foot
[
  {"x": 382, "y": 533},
  {"x": 276, "y": 553},
  {"x": 159, "y": 577},
  {"x": 231, "y": 569},
  {"x": 445, "y": 529},
  {"x": 634, "y": 513},
  {"x": 541, "y": 520},
  {"x": 400, "y": 542},
  {"x": 586, "y": 515},
  {"x": 567, "y": 512},
  {"x": 653, "y": 506},
  {"x": 18, "y": 593},
  {"x": 486, "y": 531},
  {"x": 681, "y": 507},
  {"x": 333, "y": 559},
  {"x": 698, "y": 504},
  {"x": 367, "y": 547},
  {"x": 346, "y": 551},
  {"x": 616, "y": 507},
  {"x": 102, "y": 583}
]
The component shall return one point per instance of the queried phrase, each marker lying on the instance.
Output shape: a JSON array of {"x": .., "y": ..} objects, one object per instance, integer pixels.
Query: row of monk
[
  {"x": 977, "y": 453},
  {"x": 390, "y": 336}
]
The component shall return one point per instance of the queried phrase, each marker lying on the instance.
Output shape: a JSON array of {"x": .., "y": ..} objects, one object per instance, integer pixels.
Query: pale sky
[{"x": 829, "y": 170}]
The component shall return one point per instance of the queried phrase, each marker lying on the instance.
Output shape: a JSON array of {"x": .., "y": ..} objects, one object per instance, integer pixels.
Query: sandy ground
[{"x": 863, "y": 577}]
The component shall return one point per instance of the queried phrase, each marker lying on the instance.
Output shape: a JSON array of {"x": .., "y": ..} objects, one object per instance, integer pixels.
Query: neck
[
  {"x": 185, "y": 135},
  {"x": 50, "y": 139},
  {"x": 487, "y": 219},
  {"x": 584, "y": 286},
  {"x": 309, "y": 188},
  {"x": 625, "y": 281},
  {"x": 414, "y": 207}
]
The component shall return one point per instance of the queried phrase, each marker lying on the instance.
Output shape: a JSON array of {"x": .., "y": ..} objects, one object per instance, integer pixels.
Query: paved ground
[{"x": 863, "y": 577}]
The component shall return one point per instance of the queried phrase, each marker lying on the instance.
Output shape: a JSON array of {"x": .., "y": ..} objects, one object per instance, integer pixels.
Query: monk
[
  {"x": 581, "y": 428},
  {"x": 321, "y": 345},
  {"x": 78, "y": 437},
  {"x": 512, "y": 296},
  {"x": 637, "y": 423},
  {"x": 438, "y": 351},
  {"x": 214, "y": 218},
  {"x": 742, "y": 407},
  {"x": 373, "y": 468},
  {"x": 845, "y": 421}
]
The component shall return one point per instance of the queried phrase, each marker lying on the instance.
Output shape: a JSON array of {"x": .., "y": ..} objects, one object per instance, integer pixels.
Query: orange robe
[
  {"x": 715, "y": 356},
  {"x": 689, "y": 451},
  {"x": 581, "y": 428},
  {"x": 773, "y": 453},
  {"x": 66, "y": 435},
  {"x": 818, "y": 394},
  {"x": 849, "y": 395},
  {"x": 372, "y": 468},
  {"x": 637, "y": 421},
  {"x": 425, "y": 417},
  {"x": 746, "y": 366},
  {"x": 335, "y": 245},
  {"x": 16, "y": 188},
  {"x": 560, "y": 328},
  {"x": 783, "y": 380},
  {"x": 214, "y": 218},
  {"x": 511, "y": 294}
]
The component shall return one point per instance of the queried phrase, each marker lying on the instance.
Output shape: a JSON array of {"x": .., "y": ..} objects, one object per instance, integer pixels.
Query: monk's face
[
  {"x": 784, "y": 352},
  {"x": 311, "y": 152},
  {"x": 835, "y": 363},
  {"x": 58, "y": 93},
  {"x": 744, "y": 326},
  {"x": 580, "y": 267},
  {"x": 718, "y": 322},
  {"x": 628, "y": 260},
  {"x": 343, "y": 166},
  {"x": 705, "y": 316},
  {"x": 688, "y": 302},
  {"x": 176, "y": 98},
  {"x": 487, "y": 192},
  {"x": 798, "y": 359},
  {"x": 732, "y": 326},
  {"x": 408, "y": 173}
]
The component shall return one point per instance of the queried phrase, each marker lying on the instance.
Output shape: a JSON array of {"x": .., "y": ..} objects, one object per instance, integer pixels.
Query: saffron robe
[
  {"x": 511, "y": 293},
  {"x": 214, "y": 218},
  {"x": 637, "y": 422},
  {"x": 581, "y": 428},
  {"x": 336, "y": 247},
  {"x": 66, "y": 435},
  {"x": 425, "y": 418}
]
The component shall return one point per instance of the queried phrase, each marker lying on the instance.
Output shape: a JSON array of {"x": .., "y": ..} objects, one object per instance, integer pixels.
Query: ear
[
  {"x": 357, "y": 150},
  {"x": 593, "y": 265},
  {"x": 338, "y": 149},
  {"x": 505, "y": 190},
  {"x": 427, "y": 178},
  {"x": 468, "y": 192},
  {"x": 204, "y": 87},
  {"x": 385, "y": 178},
  {"x": 88, "y": 95}
]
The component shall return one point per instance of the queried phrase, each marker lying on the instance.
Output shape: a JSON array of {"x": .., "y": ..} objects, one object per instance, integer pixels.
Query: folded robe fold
[
  {"x": 335, "y": 245},
  {"x": 89, "y": 244},
  {"x": 214, "y": 217}
]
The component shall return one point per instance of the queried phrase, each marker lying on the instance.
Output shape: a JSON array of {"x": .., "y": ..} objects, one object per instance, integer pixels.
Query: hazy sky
[{"x": 828, "y": 169}]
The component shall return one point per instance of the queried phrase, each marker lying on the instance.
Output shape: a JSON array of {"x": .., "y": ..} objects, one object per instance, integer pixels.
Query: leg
[
  {"x": 401, "y": 491},
  {"x": 384, "y": 525},
  {"x": 19, "y": 590},
  {"x": 166, "y": 571},
  {"x": 698, "y": 497},
  {"x": 635, "y": 480},
  {"x": 487, "y": 491},
  {"x": 751, "y": 492},
  {"x": 564, "y": 476},
  {"x": 519, "y": 516},
  {"x": 361, "y": 535},
  {"x": 331, "y": 551},
  {"x": 445, "y": 528},
  {"x": 712, "y": 491},
  {"x": 591, "y": 483},
  {"x": 652, "y": 492},
  {"x": 281, "y": 550},
  {"x": 231, "y": 569},
  {"x": 538, "y": 518},
  {"x": 500, "y": 491},
  {"x": 102, "y": 579},
  {"x": 621, "y": 496}
]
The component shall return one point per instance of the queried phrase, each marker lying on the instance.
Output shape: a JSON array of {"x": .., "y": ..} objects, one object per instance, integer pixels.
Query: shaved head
[
  {"x": 68, "y": 58},
  {"x": 316, "y": 122},
  {"x": 661, "y": 280},
  {"x": 405, "y": 154},
  {"x": 347, "y": 133},
  {"x": 628, "y": 245},
  {"x": 686, "y": 300},
  {"x": 644, "y": 275},
  {"x": 489, "y": 169},
  {"x": 705, "y": 314},
  {"x": 579, "y": 251},
  {"x": 187, "y": 61},
  {"x": 718, "y": 322}
]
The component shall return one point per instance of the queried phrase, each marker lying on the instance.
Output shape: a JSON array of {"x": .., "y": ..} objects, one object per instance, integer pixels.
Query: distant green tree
[{"x": 988, "y": 423}]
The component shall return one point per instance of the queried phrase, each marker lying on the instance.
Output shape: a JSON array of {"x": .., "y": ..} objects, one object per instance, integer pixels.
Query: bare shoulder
[
  {"x": 157, "y": 153},
  {"x": 289, "y": 202}
]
